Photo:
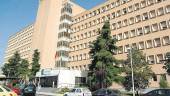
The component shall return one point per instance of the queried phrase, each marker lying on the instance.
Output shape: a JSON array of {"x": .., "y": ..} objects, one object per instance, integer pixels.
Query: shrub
[
  {"x": 163, "y": 83},
  {"x": 64, "y": 90}
]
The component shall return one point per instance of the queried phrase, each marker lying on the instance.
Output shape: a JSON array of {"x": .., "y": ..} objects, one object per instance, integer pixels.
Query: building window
[
  {"x": 119, "y": 36},
  {"x": 126, "y": 48},
  {"x": 147, "y": 29},
  {"x": 132, "y": 33},
  {"x": 114, "y": 36},
  {"x": 113, "y": 15},
  {"x": 137, "y": 6},
  {"x": 94, "y": 22},
  {"x": 141, "y": 45},
  {"x": 117, "y": 2},
  {"x": 131, "y": 20},
  {"x": 163, "y": 25},
  {"x": 159, "y": 58},
  {"x": 152, "y": 14},
  {"x": 160, "y": 11},
  {"x": 107, "y": 7},
  {"x": 155, "y": 27},
  {"x": 85, "y": 35},
  {"x": 85, "y": 44},
  {"x": 143, "y": 3},
  {"x": 130, "y": 8},
  {"x": 112, "y": 4},
  {"x": 103, "y": 19},
  {"x": 98, "y": 21},
  {"x": 125, "y": 22},
  {"x": 84, "y": 56},
  {"x": 157, "y": 42},
  {"x": 119, "y": 24},
  {"x": 94, "y": 33},
  {"x": 118, "y": 13},
  {"x": 108, "y": 17},
  {"x": 126, "y": 35},
  {"x": 120, "y": 49},
  {"x": 138, "y": 18},
  {"x": 149, "y": 44},
  {"x": 81, "y": 37},
  {"x": 168, "y": 9},
  {"x": 114, "y": 26},
  {"x": 81, "y": 57},
  {"x": 145, "y": 16},
  {"x": 139, "y": 31},
  {"x": 124, "y": 11},
  {"x": 151, "y": 59},
  {"x": 150, "y": 2},
  {"x": 158, "y": 1},
  {"x": 134, "y": 46},
  {"x": 166, "y": 40},
  {"x": 89, "y": 35},
  {"x": 81, "y": 46},
  {"x": 103, "y": 9}
]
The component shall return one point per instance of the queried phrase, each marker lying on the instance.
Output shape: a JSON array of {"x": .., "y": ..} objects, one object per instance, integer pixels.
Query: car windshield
[{"x": 6, "y": 88}]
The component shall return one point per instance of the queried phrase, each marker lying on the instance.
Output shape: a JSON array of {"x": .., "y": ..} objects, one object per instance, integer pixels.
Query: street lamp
[{"x": 131, "y": 64}]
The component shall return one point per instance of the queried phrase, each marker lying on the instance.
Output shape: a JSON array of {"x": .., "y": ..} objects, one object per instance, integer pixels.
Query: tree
[
  {"x": 5, "y": 69},
  {"x": 103, "y": 69},
  {"x": 23, "y": 69},
  {"x": 142, "y": 71},
  {"x": 11, "y": 68},
  {"x": 35, "y": 66},
  {"x": 167, "y": 63},
  {"x": 163, "y": 83}
]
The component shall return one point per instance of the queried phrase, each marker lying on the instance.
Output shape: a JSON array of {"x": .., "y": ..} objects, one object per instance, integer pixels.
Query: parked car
[
  {"x": 155, "y": 92},
  {"x": 29, "y": 90},
  {"x": 5, "y": 91},
  {"x": 106, "y": 92},
  {"x": 78, "y": 92},
  {"x": 16, "y": 90}
]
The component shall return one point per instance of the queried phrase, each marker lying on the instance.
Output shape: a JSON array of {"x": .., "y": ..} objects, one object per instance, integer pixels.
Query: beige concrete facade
[
  {"x": 44, "y": 33},
  {"x": 20, "y": 42},
  {"x": 142, "y": 24},
  {"x": 47, "y": 28}
]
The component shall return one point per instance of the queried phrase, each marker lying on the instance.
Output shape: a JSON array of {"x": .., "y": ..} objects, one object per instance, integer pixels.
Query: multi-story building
[
  {"x": 140, "y": 24},
  {"x": 21, "y": 42},
  {"x": 45, "y": 31}
]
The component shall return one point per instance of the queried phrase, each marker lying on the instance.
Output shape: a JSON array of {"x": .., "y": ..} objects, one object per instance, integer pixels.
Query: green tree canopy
[
  {"x": 11, "y": 68},
  {"x": 35, "y": 66},
  {"x": 167, "y": 63},
  {"x": 142, "y": 71},
  {"x": 23, "y": 69},
  {"x": 103, "y": 70}
]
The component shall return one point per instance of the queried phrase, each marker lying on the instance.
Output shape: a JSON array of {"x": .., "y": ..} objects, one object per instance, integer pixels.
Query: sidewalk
[{"x": 48, "y": 92}]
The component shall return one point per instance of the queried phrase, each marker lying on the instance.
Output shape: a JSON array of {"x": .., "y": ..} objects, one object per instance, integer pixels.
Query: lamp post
[{"x": 131, "y": 64}]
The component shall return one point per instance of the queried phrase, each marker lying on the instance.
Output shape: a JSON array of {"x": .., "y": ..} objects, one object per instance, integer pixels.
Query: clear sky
[{"x": 16, "y": 14}]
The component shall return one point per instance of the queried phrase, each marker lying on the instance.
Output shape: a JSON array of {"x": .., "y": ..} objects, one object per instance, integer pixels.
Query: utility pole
[{"x": 131, "y": 64}]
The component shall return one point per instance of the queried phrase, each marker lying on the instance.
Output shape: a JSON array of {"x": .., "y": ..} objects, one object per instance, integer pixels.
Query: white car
[{"x": 79, "y": 92}]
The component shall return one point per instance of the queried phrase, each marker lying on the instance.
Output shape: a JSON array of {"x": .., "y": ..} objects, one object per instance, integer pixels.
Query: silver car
[{"x": 78, "y": 92}]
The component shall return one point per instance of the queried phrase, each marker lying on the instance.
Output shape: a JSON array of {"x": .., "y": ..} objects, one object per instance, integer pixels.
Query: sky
[{"x": 17, "y": 14}]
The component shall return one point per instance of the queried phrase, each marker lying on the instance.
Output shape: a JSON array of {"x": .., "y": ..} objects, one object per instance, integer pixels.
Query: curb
[{"x": 48, "y": 94}]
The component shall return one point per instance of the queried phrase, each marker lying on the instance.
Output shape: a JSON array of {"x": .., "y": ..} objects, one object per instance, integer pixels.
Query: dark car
[
  {"x": 156, "y": 92},
  {"x": 29, "y": 90},
  {"x": 106, "y": 92}
]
